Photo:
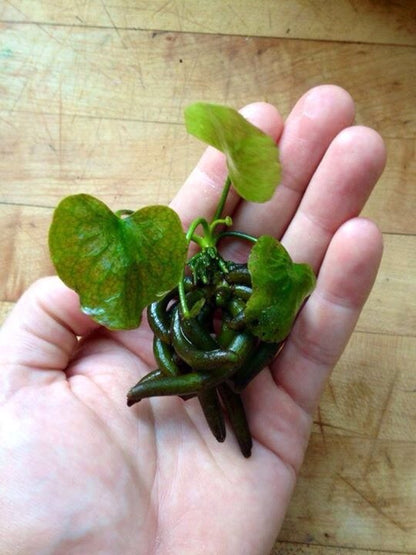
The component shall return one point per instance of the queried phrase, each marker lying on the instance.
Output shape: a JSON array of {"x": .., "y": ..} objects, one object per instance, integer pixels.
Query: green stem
[
  {"x": 182, "y": 298},
  {"x": 203, "y": 241},
  {"x": 223, "y": 198},
  {"x": 239, "y": 234},
  {"x": 227, "y": 221},
  {"x": 208, "y": 239}
]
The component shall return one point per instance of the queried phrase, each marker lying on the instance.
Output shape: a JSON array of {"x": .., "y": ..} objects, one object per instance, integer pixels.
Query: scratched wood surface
[{"x": 91, "y": 100}]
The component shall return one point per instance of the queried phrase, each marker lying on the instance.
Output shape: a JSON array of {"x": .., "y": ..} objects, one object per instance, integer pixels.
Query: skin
[{"x": 82, "y": 473}]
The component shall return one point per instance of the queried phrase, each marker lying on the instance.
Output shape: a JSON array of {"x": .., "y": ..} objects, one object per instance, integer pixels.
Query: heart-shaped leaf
[
  {"x": 252, "y": 156},
  {"x": 118, "y": 265},
  {"x": 279, "y": 288}
]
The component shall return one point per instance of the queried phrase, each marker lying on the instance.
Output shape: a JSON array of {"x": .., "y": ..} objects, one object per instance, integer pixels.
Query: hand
[{"x": 80, "y": 472}]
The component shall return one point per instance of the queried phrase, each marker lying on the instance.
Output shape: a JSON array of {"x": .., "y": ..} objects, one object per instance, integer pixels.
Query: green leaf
[
  {"x": 118, "y": 265},
  {"x": 252, "y": 156},
  {"x": 279, "y": 288}
]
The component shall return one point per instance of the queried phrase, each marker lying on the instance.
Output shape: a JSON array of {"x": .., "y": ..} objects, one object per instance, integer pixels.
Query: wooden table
[{"x": 91, "y": 100}]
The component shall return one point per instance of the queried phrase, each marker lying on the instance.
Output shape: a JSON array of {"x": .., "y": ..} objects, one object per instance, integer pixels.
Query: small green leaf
[
  {"x": 117, "y": 265},
  {"x": 279, "y": 288},
  {"x": 252, "y": 156}
]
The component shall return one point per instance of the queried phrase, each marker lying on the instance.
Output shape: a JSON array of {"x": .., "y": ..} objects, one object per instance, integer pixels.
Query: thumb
[{"x": 40, "y": 335}]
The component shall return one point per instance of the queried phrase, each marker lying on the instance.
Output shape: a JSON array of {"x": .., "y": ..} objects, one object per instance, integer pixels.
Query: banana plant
[{"x": 216, "y": 323}]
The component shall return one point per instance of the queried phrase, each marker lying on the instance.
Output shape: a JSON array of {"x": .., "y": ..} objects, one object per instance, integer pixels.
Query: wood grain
[
  {"x": 288, "y": 548},
  {"x": 91, "y": 100},
  {"x": 350, "y": 21},
  {"x": 372, "y": 501},
  {"x": 133, "y": 163},
  {"x": 5, "y": 309},
  {"x": 100, "y": 73},
  {"x": 371, "y": 391}
]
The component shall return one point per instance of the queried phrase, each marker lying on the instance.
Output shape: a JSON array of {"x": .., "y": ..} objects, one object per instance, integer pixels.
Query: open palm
[{"x": 80, "y": 472}]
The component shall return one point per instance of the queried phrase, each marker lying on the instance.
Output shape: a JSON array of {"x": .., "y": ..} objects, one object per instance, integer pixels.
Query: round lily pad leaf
[
  {"x": 252, "y": 156},
  {"x": 117, "y": 263},
  {"x": 279, "y": 288}
]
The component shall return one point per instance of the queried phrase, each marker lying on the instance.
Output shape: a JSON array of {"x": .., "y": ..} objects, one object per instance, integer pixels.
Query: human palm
[{"x": 80, "y": 472}]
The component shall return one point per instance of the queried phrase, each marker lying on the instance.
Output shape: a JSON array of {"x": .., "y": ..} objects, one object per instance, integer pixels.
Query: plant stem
[
  {"x": 192, "y": 236},
  {"x": 182, "y": 299},
  {"x": 239, "y": 234},
  {"x": 223, "y": 198},
  {"x": 208, "y": 239}
]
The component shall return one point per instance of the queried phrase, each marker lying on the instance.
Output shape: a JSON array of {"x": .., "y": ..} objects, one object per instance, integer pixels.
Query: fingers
[
  {"x": 337, "y": 192},
  {"x": 200, "y": 193},
  {"x": 327, "y": 320},
  {"x": 40, "y": 334},
  {"x": 310, "y": 128}
]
